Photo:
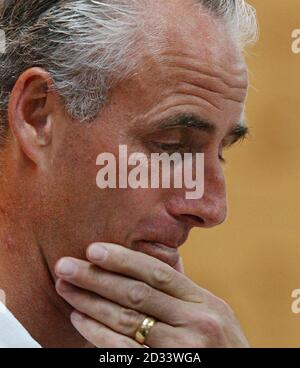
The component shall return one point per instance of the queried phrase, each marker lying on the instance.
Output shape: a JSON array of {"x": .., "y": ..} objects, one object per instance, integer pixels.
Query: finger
[
  {"x": 119, "y": 319},
  {"x": 179, "y": 266},
  {"x": 124, "y": 291},
  {"x": 100, "y": 335},
  {"x": 145, "y": 268}
]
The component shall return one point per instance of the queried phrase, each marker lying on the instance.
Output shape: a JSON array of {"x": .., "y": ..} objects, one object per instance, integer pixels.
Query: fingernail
[
  {"x": 97, "y": 252},
  {"x": 66, "y": 267},
  {"x": 77, "y": 317}
]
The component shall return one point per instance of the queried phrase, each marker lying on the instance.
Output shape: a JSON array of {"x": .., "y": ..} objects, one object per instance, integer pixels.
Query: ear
[{"x": 29, "y": 114}]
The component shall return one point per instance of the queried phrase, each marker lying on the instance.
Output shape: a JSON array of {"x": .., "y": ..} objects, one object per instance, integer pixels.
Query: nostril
[{"x": 192, "y": 220}]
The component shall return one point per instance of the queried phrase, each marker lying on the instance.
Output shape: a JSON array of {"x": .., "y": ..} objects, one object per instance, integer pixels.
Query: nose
[{"x": 208, "y": 211}]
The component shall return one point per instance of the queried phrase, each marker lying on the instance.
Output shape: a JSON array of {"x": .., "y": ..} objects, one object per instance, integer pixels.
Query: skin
[{"x": 51, "y": 209}]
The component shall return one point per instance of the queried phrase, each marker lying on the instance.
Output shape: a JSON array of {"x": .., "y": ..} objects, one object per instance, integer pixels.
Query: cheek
[
  {"x": 86, "y": 212},
  {"x": 92, "y": 214}
]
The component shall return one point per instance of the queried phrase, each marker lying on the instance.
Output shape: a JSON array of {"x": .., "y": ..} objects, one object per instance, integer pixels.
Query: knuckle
[
  {"x": 123, "y": 261},
  {"x": 91, "y": 276},
  {"x": 139, "y": 294},
  {"x": 162, "y": 275},
  {"x": 210, "y": 326},
  {"x": 223, "y": 307},
  {"x": 213, "y": 332},
  {"x": 128, "y": 319},
  {"x": 104, "y": 314}
]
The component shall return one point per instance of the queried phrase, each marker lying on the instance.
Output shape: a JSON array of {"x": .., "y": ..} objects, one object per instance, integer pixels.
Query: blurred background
[{"x": 253, "y": 259}]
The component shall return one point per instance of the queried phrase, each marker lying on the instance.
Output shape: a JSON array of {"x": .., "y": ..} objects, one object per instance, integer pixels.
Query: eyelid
[
  {"x": 170, "y": 146},
  {"x": 174, "y": 134},
  {"x": 231, "y": 140},
  {"x": 170, "y": 139}
]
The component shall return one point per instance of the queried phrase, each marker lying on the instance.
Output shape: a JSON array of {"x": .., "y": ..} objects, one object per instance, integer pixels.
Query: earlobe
[{"x": 29, "y": 113}]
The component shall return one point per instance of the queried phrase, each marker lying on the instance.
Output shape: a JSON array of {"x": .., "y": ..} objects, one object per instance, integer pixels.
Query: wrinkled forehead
[{"x": 190, "y": 59}]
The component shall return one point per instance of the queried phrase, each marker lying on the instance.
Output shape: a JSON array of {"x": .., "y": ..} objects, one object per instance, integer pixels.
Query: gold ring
[{"x": 143, "y": 331}]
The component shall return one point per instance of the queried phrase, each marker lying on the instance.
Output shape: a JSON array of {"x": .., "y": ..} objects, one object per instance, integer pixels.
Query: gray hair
[{"x": 82, "y": 43}]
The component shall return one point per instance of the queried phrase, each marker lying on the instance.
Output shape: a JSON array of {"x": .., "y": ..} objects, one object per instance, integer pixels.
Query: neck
[{"x": 29, "y": 287}]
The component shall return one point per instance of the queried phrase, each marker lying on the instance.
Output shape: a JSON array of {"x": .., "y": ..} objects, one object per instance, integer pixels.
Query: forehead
[
  {"x": 183, "y": 33},
  {"x": 181, "y": 23},
  {"x": 190, "y": 59}
]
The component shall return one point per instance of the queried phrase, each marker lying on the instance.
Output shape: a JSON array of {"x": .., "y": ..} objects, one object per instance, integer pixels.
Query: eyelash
[
  {"x": 176, "y": 147},
  {"x": 170, "y": 146},
  {"x": 222, "y": 159}
]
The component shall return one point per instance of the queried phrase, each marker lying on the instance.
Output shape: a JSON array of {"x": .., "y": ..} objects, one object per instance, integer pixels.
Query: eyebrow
[
  {"x": 238, "y": 133},
  {"x": 187, "y": 121}
]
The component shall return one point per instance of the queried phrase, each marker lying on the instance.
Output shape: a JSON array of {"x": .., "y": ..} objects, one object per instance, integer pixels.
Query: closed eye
[{"x": 170, "y": 147}]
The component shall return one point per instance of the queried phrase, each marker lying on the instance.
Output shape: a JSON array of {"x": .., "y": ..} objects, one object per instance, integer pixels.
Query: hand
[{"x": 117, "y": 288}]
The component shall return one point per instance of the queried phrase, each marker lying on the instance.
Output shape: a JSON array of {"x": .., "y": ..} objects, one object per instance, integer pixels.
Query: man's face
[{"x": 199, "y": 73}]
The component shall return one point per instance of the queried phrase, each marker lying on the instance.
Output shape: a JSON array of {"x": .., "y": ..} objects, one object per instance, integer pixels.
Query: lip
[{"x": 163, "y": 252}]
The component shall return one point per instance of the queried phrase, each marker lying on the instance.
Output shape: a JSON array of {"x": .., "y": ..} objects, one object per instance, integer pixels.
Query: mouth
[{"x": 163, "y": 252}]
